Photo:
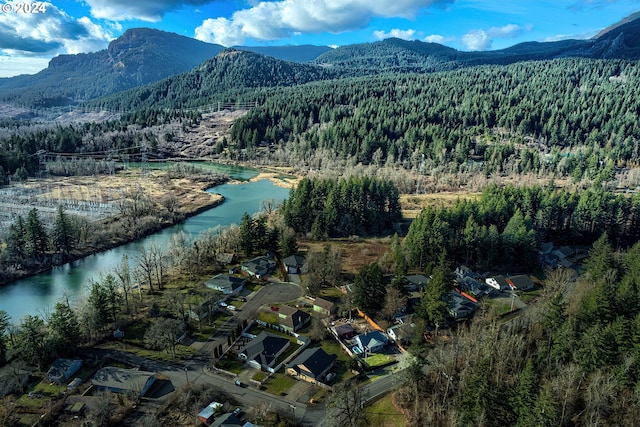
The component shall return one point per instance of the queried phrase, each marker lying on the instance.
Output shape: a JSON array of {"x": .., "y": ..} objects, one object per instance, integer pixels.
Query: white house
[{"x": 498, "y": 282}]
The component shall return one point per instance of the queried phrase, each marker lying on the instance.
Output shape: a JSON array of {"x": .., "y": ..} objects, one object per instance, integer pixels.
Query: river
[{"x": 38, "y": 294}]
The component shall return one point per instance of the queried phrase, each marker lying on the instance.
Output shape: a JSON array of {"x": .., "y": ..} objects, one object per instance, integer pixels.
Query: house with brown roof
[{"x": 324, "y": 307}]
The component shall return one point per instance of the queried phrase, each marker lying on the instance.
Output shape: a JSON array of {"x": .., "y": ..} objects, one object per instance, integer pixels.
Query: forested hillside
[
  {"x": 620, "y": 41},
  {"x": 232, "y": 75},
  {"x": 570, "y": 360},
  {"x": 570, "y": 116}
]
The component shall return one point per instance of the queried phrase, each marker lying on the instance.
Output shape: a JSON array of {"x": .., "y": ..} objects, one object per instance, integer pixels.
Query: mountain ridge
[{"x": 144, "y": 56}]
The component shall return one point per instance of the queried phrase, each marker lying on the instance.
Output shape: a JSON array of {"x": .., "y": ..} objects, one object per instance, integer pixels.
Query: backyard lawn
[{"x": 376, "y": 360}]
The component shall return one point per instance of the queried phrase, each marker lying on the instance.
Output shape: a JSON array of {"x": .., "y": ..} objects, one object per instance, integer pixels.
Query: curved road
[{"x": 196, "y": 370}]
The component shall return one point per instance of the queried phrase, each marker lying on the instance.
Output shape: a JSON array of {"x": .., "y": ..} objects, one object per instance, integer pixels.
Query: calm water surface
[{"x": 38, "y": 294}]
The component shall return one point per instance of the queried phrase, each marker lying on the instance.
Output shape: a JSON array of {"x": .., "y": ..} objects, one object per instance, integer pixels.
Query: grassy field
[
  {"x": 355, "y": 253},
  {"x": 412, "y": 204},
  {"x": 383, "y": 414},
  {"x": 375, "y": 360}
]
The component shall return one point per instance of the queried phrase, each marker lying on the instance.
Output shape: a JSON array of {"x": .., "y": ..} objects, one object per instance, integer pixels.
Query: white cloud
[
  {"x": 509, "y": 30},
  {"x": 434, "y": 38},
  {"x": 32, "y": 39},
  {"x": 476, "y": 40},
  {"x": 220, "y": 31},
  {"x": 144, "y": 10},
  {"x": 272, "y": 20},
  {"x": 437, "y": 38},
  {"x": 483, "y": 39},
  {"x": 13, "y": 65},
  {"x": 397, "y": 33}
]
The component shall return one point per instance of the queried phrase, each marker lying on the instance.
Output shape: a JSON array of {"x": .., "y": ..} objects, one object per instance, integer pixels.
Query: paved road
[
  {"x": 196, "y": 370},
  {"x": 269, "y": 294}
]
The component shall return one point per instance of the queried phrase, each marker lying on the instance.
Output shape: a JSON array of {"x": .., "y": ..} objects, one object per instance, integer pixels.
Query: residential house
[
  {"x": 344, "y": 332},
  {"x": 118, "y": 380},
  {"x": 563, "y": 252},
  {"x": 463, "y": 271},
  {"x": 226, "y": 258},
  {"x": 402, "y": 332},
  {"x": 228, "y": 285},
  {"x": 292, "y": 319},
  {"x": 312, "y": 365},
  {"x": 415, "y": 282},
  {"x": 227, "y": 420},
  {"x": 263, "y": 351},
  {"x": 498, "y": 282},
  {"x": 208, "y": 414},
  {"x": 460, "y": 307},
  {"x": 62, "y": 370},
  {"x": 521, "y": 282},
  {"x": 474, "y": 287},
  {"x": 324, "y": 307},
  {"x": 293, "y": 264},
  {"x": 259, "y": 266},
  {"x": 372, "y": 342}
]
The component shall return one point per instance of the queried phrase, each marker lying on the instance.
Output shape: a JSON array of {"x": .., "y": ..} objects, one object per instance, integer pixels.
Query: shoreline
[{"x": 123, "y": 238}]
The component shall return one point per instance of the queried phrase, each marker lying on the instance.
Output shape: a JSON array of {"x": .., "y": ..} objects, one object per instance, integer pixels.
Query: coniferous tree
[
  {"x": 62, "y": 235},
  {"x": 36, "y": 238},
  {"x": 370, "y": 289}
]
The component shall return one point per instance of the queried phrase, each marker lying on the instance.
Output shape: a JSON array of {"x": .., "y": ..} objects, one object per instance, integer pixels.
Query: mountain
[
  {"x": 227, "y": 76},
  {"x": 619, "y": 41},
  {"x": 301, "y": 53},
  {"x": 138, "y": 57}
]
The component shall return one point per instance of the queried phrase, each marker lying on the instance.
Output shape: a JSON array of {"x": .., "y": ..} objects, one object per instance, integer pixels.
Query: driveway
[{"x": 270, "y": 293}]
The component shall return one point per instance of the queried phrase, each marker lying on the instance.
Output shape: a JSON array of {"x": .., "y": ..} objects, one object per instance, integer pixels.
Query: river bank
[{"x": 176, "y": 198}]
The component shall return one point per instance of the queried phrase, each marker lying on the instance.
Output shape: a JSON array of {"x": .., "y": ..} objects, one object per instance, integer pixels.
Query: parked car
[
  {"x": 231, "y": 307},
  {"x": 239, "y": 383},
  {"x": 222, "y": 304},
  {"x": 237, "y": 411}
]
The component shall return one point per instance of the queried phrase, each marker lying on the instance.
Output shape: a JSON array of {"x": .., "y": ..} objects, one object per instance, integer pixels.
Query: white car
[{"x": 222, "y": 304}]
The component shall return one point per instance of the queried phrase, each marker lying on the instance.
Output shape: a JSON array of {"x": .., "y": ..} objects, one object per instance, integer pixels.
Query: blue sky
[{"x": 29, "y": 40}]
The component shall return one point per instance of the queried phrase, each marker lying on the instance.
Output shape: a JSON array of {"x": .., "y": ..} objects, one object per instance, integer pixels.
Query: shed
[{"x": 208, "y": 413}]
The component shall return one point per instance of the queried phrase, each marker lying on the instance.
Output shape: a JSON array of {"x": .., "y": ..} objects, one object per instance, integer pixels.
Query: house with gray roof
[
  {"x": 293, "y": 264},
  {"x": 259, "y": 266},
  {"x": 263, "y": 351},
  {"x": 415, "y": 282},
  {"x": 521, "y": 282},
  {"x": 228, "y": 285},
  {"x": 62, "y": 370},
  {"x": 372, "y": 342},
  {"x": 312, "y": 365},
  {"x": 118, "y": 380},
  {"x": 292, "y": 319}
]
